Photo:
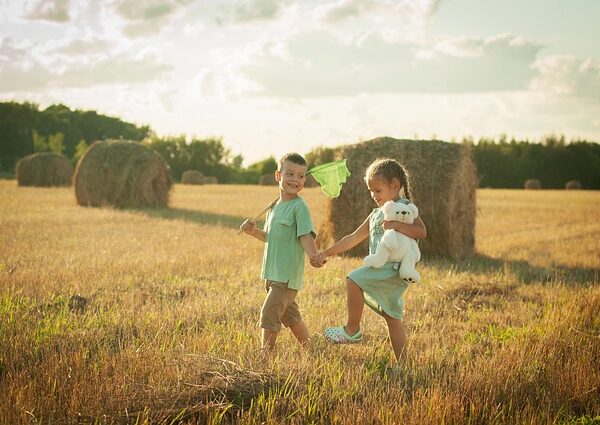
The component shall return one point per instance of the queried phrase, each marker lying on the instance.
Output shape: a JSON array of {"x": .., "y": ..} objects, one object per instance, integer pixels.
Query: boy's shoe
[{"x": 340, "y": 336}]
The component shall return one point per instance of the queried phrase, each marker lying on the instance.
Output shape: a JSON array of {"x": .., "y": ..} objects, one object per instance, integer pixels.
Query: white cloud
[
  {"x": 18, "y": 69},
  {"x": 344, "y": 9},
  {"x": 224, "y": 84},
  {"x": 319, "y": 64},
  {"x": 114, "y": 70},
  {"x": 49, "y": 10},
  {"x": 255, "y": 10},
  {"x": 250, "y": 14},
  {"x": 568, "y": 76},
  {"x": 90, "y": 46},
  {"x": 9, "y": 51},
  {"x": 147, "y": 17},
  {"x": 416, "y": 11},
  {"x": 22, "y": 71}
]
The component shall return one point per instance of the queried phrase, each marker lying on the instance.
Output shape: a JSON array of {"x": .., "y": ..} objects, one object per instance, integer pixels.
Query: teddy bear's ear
[{"x": 415, "y": 209}]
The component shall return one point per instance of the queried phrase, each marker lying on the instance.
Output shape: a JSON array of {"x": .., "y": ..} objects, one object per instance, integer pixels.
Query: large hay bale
[
  {"x": 192, "y": 177},
  {"x": 44, "y": 169},
  {"x": 267, "y": 180},
  {"x": 122, "y": 174},
  {"x": 443, "y": 181},
  {"x": 310, "y": 181},
  {"x": 532, "y": 184},
  {"x": 211, "y": 180},
  {"x": 573, "y": 185}
]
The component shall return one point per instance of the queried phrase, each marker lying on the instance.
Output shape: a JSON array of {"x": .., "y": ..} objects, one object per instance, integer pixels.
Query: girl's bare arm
[
  {"x": 349, "y": 241},
  {"x": 417, "y": 230}
]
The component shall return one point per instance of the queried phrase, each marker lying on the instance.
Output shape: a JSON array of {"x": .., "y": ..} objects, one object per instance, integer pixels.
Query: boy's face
[{"x": 291, "y": 179}]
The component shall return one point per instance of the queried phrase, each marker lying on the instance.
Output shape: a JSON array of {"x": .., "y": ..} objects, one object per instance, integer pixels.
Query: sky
[{"x": 270, "y": 77}]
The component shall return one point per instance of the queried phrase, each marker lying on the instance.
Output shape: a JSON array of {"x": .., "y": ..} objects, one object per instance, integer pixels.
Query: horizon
[{"x": 268, "y": 77}]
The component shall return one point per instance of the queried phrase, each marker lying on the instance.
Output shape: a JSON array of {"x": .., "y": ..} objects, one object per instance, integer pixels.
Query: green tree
[
  {"x": 80, "y": 149},
  {"x": 504, "y": 164},
  {"x": 40, "y": 144},
  {"x": 18, "y": 122},
  {"x": 208, "y": 156},
  {"x": 55, "y": 143},
  {"x": 266, "y": 166}
]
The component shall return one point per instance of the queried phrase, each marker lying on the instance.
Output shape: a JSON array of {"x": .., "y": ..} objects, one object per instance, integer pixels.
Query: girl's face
[{"x": 382, "y": 190}]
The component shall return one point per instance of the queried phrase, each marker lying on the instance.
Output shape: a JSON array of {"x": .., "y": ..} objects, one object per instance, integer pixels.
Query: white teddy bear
[{"x": 395, "y": 246}]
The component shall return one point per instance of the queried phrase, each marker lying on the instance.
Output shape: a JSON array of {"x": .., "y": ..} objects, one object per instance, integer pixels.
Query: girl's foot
[{"x": 340, "y": 336}]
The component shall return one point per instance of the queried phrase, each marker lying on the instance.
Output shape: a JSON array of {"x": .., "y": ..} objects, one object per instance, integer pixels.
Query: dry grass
[{"x": 169, "y": 332}]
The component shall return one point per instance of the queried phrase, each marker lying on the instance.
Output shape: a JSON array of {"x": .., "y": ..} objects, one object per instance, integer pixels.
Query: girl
[{"x": 381, "y": 289}]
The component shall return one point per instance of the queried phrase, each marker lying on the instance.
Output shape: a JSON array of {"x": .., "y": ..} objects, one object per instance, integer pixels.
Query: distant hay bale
[
  {"x": 267, "y": 180},
  {"x": 532, "y": 184},
  {"x": 211, "y": 180},
  {"x": 192, "y": 177},
  {"x": 44, "y": 169},
  {"x": 122, "y": 174},
  {"x": 573, "y": 185},
  {"x": 443, "y": 180}
]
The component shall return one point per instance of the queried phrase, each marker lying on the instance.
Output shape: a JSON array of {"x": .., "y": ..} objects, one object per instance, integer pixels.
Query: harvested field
[{"x": 149, "y": 315}]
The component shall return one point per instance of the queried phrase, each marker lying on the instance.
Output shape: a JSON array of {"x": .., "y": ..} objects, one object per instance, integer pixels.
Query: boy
[{"x": 287, "y": 234}]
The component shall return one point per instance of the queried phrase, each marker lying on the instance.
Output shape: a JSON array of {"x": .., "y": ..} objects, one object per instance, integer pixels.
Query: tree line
[
  {"x": 502, "y": 163},
  {"x": 507, "y": 163},
  {"x": 25, "y": 129}
]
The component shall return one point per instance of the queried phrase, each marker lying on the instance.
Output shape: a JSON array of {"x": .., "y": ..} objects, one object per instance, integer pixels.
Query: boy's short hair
[{"x": 296, "y": 158}]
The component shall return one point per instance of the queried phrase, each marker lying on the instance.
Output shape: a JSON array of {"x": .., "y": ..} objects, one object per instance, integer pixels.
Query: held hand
[
  {"x": 322, "y": 257},
  {"x": 248, "y": 226},
  {"x": 314, "y": 261},
  {"x": 318, "y": 260}
]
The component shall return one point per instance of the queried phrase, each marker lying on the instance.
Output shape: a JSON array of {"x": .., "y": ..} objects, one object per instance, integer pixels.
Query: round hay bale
[
  {"x": 44, "y": 169},
  {"x": 573, "y": 185},
  {"x": 443, "y": 181},
  {"x": 532, "y": 184},
  {"x": 310, "y": 181},
  {"x": 192, "y": 177},
  {"x": 267, "y": 180},
  {"x": 122, "y": 174},
  {"x": 211, "y": 180}
]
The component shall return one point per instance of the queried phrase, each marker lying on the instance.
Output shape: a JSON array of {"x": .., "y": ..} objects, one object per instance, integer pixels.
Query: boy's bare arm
[
  {"x": 309, "y": 245},
  {"x": 249, "y": 227}
]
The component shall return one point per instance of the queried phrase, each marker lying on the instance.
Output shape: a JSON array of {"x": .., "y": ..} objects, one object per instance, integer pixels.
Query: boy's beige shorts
[{"x": 279, "y": 307}]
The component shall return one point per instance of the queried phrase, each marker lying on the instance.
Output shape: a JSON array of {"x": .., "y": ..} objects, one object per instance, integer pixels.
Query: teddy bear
[{"x": 395, "y": 246}]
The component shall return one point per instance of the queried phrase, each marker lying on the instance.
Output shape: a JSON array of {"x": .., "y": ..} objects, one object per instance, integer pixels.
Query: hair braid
[
  {"x": 404, "y": 183},
  {"x": 389, "y": 169}
]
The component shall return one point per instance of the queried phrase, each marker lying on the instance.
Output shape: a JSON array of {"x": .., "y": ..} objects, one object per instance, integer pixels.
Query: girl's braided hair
[{"x": 389, "y": 169}]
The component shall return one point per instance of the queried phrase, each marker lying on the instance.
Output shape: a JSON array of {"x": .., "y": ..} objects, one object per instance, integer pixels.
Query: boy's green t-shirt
[{"x": 283, "y": 258}]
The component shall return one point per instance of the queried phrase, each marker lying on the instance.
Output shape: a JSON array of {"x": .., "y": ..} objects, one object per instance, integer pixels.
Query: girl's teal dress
[{"x": 382, "y": 288}]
